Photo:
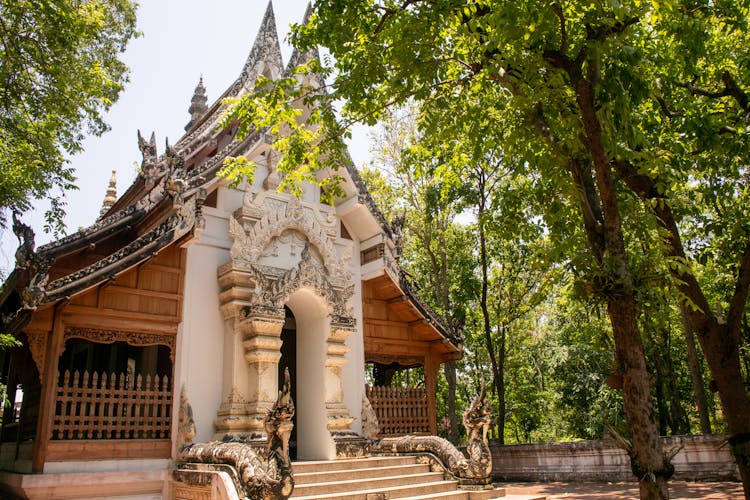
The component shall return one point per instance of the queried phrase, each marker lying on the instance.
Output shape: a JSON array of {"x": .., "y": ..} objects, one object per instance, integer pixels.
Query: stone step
[
  {"x": 429, "y": 489},
  {"x": 350, "y": 464},
  {"x": 383, "y": 482},
  {"x": 446, "y": 495},
  {"x": 301, "y": 478},
  {"x": 380, "y": 478},
  {"x": 498, "y": 493}
]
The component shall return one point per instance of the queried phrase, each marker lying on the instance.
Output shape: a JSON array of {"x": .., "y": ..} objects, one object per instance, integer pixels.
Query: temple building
[{"x": 186, "y": 288}]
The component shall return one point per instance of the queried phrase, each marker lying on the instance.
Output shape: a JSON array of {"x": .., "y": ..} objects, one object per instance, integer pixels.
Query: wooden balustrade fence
[
  {"x": 90, "y": 406},
  {"x": 400, "y": 410}
]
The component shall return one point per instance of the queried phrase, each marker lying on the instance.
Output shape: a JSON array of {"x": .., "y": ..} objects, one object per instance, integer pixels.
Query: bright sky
[{"x": 181, "y": 40}]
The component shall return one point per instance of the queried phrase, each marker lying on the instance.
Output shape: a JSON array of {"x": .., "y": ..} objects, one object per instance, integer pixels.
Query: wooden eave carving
[{"x": 404, "y": 311}]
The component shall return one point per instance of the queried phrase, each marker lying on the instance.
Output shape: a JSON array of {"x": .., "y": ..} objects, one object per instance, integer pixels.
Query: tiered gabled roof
[{"x": 164, "y": 202}]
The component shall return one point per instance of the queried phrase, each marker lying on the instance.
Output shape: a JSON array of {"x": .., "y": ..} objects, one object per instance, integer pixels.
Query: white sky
[{"x": 181, "y": 40}]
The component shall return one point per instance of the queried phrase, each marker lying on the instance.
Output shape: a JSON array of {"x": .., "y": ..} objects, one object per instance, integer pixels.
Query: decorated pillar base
[
  {"x": 348, "y": 443},
  {"x": 352, "y": 446},
  {"x": 239, "y": 420},
  {"x": 251, "y": 355}
]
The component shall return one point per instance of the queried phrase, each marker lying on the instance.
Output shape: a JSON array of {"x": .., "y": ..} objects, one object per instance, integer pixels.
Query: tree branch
[
  {"x": 665, "y": 108},
  {"x": 702, "y": 92},
  {"x": 563, "y": 33},
  {"x": 739, "y": 299},
  {"x": 557, "y": 59},
  {"x": 735, "y": 91},
  {"x": 731, "y": 89},
  {"x": 685, "y": 281},
  {"x": 602, "y": 32},
  {"x": 388, "y": 12}
]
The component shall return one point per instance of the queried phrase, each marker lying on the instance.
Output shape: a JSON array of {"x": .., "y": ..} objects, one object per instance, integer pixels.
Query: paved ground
[{"x": 678, "y": 490}]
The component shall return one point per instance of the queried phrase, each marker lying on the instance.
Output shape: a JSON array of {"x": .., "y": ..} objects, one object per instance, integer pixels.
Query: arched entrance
[
  {"x": 283, "y": 257},
  {"x": 288, "y": 361},
  {"x": 310, "y": 315}
]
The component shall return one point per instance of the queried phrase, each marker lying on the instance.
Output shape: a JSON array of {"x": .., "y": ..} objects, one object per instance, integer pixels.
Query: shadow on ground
[{"x": 678, "y": 490}]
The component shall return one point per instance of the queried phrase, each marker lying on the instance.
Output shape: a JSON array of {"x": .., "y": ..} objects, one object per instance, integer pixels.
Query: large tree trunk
[
  {"x": 647, "y": 459},
  {"x": 724, "y": 362},
  {"x": 719, "y": 339}
]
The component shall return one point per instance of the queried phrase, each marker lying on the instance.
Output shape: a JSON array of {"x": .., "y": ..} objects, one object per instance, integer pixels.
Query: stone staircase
[{"x": 382, "y": 478}]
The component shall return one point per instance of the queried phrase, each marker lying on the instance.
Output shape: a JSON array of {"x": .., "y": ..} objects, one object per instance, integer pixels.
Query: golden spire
[{"x": 111, "y": 196}]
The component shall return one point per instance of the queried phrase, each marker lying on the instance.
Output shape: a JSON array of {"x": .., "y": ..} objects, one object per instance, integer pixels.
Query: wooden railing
[
  {"x": 400, "y": 410},
  {"x": 112, "y": 407}
]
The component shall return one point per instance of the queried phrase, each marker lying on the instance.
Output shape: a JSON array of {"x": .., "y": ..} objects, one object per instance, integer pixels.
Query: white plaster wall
[
  {"x": 314, "y": 442},
  {"x": 201, "y": 335},
  {"x": 228, "y": 201},
  {"x": 354, "y": 369}
]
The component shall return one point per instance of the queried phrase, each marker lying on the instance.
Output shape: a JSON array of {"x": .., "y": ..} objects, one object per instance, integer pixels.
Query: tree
[
  {"x": 423, "y": 200},
  {"x": 60, "y": 72},
  {"x": 611, "y": 105}
]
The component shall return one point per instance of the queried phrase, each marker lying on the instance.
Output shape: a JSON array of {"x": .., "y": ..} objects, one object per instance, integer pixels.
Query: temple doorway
[
  {"x": 308, "y": 346},
  {"x": 289, "y": 360}
]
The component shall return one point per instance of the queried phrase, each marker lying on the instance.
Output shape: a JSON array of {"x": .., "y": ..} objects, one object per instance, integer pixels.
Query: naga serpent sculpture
[
  {"x": 477, "y": 468},
  {"x": 264, "y": 473}
]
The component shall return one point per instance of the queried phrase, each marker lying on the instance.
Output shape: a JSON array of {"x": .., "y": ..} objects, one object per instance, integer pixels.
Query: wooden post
[
  {"x": 55, "y": 345},
  {"x": 430, "y": 375}
]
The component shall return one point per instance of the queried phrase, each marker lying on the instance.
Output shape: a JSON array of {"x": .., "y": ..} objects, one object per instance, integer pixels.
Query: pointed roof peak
[
  {"x": 265, "y": 55},
  {"x": 298, "y": 57},
  {"x": 308, "y": 13}
]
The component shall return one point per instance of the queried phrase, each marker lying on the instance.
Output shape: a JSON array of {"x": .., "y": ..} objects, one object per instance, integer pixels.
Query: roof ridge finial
[
  {"x": 308, "y": 13},
  {"x": 198, "y": 106},
  {"x": 111, "y": 197},
  {"x": 265, "y": 55}
]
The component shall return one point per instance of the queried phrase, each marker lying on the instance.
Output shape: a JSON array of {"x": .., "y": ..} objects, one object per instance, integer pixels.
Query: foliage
[
  {"x": 60, "y": 72},
  {"x": 629, "y": 118}
]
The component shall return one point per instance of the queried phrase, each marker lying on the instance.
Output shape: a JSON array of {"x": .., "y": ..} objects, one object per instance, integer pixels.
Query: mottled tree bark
[
  {"x": 719, "y": 338},
  {"x": 647, "y": 459}
]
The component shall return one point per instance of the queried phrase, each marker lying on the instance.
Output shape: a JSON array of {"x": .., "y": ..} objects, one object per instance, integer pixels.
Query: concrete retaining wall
[{"x": 702, "y": 458}]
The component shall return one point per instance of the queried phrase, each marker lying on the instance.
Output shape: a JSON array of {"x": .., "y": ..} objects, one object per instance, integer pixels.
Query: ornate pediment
[
  {"x": 266, "y": 221},
  {"x": 286, "y": 245}
]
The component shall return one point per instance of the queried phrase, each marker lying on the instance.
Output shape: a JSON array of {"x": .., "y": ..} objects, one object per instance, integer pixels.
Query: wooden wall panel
[
  {"x": 128, "y": 279},
  {"x": 152, "y": 289},
  {"x": 88, "y": 299}
]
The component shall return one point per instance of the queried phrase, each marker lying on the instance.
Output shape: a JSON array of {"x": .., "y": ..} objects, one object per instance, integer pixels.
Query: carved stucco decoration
[
  {"x": 185, "y": 423},
  {"x": 255, "y": 226},
  {"x": 311, "y": 274},
  {"x": 111, "y": 336},
  {"x": 266, "y": 221},
  {"x": 370, "y": 425},
  {"x": 235, "y": 401},
  {"x": 477, "y": 469}
]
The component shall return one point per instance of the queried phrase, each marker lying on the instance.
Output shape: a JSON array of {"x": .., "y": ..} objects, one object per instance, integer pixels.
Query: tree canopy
[
  {"x": 59, "y": 73},
  {"x": 629, "y": 119}
]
